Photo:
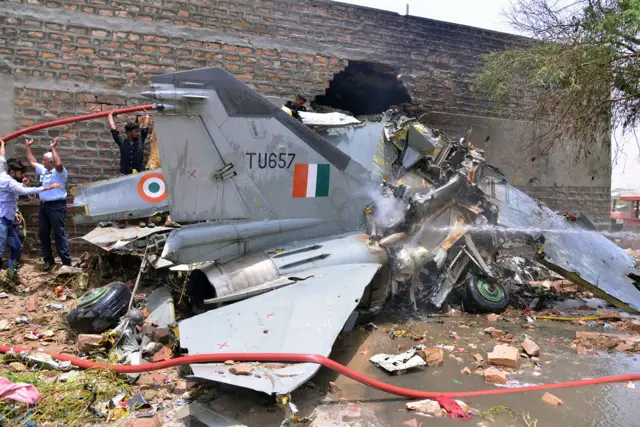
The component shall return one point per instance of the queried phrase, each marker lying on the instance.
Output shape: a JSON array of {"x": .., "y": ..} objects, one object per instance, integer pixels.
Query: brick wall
[
  {"x": 72, "y": 57},
  {"x": 595, "y": 202}
]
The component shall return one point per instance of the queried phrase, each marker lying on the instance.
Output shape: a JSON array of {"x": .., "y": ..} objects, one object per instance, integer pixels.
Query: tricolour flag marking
[{"x": 311, "y": 180}]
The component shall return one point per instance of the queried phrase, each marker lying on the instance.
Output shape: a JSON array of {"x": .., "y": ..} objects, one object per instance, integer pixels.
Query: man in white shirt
[
  {"x": 53, "y": 204},
  {"x": 11, "y": 187}
]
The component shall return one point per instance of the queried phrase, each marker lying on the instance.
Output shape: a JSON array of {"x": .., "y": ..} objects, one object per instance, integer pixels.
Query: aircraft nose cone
[{"x": 148, "y": 94}]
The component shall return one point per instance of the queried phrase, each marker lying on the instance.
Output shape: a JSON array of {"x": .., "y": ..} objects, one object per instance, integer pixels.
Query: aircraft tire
[
  {"x": 483, "y": 296},
  {"x": 99, "y": 309}
]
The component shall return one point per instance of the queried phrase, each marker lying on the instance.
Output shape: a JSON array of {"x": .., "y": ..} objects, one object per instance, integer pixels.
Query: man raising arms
[
  {"x": 53, "y": 204},
  {"x": 11, "y": 187},
  {"x": 131, "y": 151}
]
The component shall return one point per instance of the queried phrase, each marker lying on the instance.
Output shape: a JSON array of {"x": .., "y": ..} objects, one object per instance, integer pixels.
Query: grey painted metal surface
[
  {"x": 211, "y": 241},
  {"x": 233, "y": 156},
  {"x": 161, "y": 307},
  {"x": 365, "y": 145},
  {"x": 112, "y": 238},
  {"x": 301, "y": 318},
  {"x": 259, "y": 272},
  {"x": 569, "y": 247},
  {"x": 122, "y": 197}
]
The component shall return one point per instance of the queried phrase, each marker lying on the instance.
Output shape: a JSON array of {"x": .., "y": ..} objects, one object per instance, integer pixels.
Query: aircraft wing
[
  {"x": 302, "y": 318},
  {"x": 582, "y": 255}
]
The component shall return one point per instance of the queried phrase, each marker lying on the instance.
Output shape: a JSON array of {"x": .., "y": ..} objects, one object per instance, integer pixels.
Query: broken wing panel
[
  {"x": 302, "y": 318},
  {"x": 121, "y": 239},
  {"x": 122, "y": 198},
  {"x": 583, "y": 256},
  {"x": 597, "y": 261}
]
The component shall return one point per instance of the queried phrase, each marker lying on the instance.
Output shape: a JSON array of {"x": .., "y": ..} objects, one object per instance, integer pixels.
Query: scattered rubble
[
  {"x": 531, "y": 348},
  {"x": 165, "y": 353},
  {"x": 494, "y": 376},
  {"x": 495, "y": 333},
  {"x": 433, "y": 356},
  {"x": 504, "y": 355},
  {"x": 427, "y": 406},
  {"x": 32, "y": 305},
  {"x": 551, "y": 399},
  {"x": 18, "y": 367},
  {"x": 241, "y": 369},
  {"x": 88, "y": 342}
]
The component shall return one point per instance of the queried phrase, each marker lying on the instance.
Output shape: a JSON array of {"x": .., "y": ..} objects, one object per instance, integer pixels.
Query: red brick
[
  {"x": 32, "y": 304},
  {"x": 245, "y": 76},
  {"x": 27, "y": 52},
  {"x": 144, "y": 422}
]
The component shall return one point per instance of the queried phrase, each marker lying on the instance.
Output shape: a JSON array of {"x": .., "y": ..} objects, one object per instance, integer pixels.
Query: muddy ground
[{"x": 610, "y": 405}]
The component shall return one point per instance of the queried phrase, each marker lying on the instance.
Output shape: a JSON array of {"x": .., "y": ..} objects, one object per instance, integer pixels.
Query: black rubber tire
[
  {"x": 102, "y": 314},
  {"x": 475, "y": 302}
]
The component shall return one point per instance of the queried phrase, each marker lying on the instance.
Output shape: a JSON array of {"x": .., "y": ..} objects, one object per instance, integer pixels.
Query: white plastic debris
[{"x": 399, "y": 362}]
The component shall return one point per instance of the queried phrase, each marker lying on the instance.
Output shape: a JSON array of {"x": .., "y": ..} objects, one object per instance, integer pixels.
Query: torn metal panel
[
  {"x": 161, "y": 308},
  {"x": 578, "y": 254},
  {"x": 132, "y": 196},
  {"x": 399, "y": 362},
  {"x": 121, "y": 239},
  {"x": 302, "y": 318},
  {"x": 365, "y": 145},
  {"x": 159, "y": 263},
  {"x": 333, "y": 119}
]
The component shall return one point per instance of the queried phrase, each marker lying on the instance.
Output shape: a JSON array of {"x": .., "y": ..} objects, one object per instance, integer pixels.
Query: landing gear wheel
[
  {"x": 483, "y": 296},
  {"x": 99, "y": 309}
]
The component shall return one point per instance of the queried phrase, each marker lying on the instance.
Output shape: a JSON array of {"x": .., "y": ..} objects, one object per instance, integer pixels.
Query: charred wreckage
[{"x": 300, "y": 229}]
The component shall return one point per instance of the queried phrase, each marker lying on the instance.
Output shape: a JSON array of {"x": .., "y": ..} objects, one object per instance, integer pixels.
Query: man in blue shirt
[
  {"x": 11, "y": 187},
  {"x": 53, "y": 204}
]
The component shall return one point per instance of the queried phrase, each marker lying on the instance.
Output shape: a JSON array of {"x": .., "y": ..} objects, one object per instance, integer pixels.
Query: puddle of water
[{"x": 611, "y": 405}]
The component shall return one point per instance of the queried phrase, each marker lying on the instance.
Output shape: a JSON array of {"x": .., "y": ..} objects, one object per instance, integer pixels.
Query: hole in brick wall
[{"x": 363, "y": 88}]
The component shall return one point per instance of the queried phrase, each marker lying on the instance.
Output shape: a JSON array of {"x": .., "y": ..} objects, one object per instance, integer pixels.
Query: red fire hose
[
  {"x": 324, "y": 361},
  {"x": 68, "y": 120}
]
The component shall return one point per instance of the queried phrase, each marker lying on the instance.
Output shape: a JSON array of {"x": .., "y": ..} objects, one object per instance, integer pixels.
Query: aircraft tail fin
[{"x": 229, "y": 154}]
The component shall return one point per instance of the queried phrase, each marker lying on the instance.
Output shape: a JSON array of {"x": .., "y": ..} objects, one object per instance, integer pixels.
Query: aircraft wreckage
[{"x": 300, "y": 228}]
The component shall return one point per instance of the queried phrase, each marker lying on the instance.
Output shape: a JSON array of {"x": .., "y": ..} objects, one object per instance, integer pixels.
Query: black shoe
[
  {"x": 67, "y": 263},
  {"x": 47, "y": 266}
]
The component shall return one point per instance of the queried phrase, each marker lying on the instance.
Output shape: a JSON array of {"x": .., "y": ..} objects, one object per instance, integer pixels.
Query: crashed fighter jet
[{"x": 299, "y": 232}]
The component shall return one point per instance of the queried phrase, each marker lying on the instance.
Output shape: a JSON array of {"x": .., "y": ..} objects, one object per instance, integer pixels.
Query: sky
[
  {"x": 488, "y": 14},
  {"x": 476, "y": 13}
]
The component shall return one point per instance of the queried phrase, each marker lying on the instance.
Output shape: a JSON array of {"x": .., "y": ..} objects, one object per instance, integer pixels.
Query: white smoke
[{"x": 388, "y": 209}]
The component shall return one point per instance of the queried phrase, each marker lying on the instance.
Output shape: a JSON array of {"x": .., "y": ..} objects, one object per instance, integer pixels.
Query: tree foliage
[{"x": 580, "y": 71}]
